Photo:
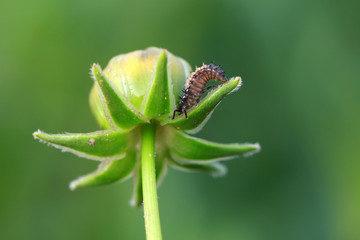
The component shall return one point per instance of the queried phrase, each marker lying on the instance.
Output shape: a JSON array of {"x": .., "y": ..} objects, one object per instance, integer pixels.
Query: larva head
[{"x": 183, "y": 105}]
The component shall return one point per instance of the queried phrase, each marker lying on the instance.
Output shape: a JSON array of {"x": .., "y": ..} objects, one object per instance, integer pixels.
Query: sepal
[
  {"x": 214, "y": 169},
  {"x": 137, "y": 195},
  {"x": 120, "y": 110},
  {"x": 108, "y": 172},
  {"x": 156, "y": 101},
  {"x": 188, "y": 149},
  {"x": 198, "y": 115},
  {"x": 99, "y": 145},
  {"x": 161, "y": 164}
]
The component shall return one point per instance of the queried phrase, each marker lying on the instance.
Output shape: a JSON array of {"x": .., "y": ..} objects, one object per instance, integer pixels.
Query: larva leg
[
  {"x": 185, "y": 113},
  {"x": 194, "y": 98},
  {"x": 174, "y": 114},
  {"x": 209, "y": 87}
]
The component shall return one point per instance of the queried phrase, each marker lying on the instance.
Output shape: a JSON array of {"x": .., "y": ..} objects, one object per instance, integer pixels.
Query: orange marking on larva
[{"x": 195, "y": 86}]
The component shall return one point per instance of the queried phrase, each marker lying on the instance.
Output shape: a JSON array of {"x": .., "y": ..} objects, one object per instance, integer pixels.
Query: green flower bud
[
  {"x": 149, "y": 81},
  {"x": 140, "y": 89}
]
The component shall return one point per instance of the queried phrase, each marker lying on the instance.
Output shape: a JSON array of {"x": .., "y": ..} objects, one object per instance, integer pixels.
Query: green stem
[{"x": 151, "y": 209}]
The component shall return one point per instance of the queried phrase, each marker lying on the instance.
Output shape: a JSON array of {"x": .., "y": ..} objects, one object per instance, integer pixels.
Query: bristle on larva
[{"x": 195, "y": 86}]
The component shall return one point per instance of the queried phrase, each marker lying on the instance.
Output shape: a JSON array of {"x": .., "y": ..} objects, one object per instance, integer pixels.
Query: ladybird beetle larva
[{"x": 195, "y": 86}]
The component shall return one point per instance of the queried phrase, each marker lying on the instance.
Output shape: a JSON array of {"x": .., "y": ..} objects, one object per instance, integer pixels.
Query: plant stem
[{"x": 151, "y": 209}]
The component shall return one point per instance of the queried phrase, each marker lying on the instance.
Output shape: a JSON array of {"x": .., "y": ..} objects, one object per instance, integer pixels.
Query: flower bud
[
  {"x": 148, "y": 81},
  {"x": 140, "y": 87}
]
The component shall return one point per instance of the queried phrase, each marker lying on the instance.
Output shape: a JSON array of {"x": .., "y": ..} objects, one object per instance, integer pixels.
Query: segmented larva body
[{"x": 195, "y": 86}]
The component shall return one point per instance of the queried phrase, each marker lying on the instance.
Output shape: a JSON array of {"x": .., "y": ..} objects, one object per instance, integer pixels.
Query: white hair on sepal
[
  {"x": 92, "y": 75},
  {"x": 222, "y": 170},
  {"x": 239, "y": 84},
  {"x": 36, "y": 137},
  {"x": 257, "y": 146}
]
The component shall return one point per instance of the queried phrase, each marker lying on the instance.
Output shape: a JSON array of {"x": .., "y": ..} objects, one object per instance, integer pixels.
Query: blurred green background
[{"x": 301, "y": 100}]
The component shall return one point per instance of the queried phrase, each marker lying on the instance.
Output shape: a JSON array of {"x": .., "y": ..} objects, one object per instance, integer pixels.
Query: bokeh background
[{"x": 301, "y": 100}]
